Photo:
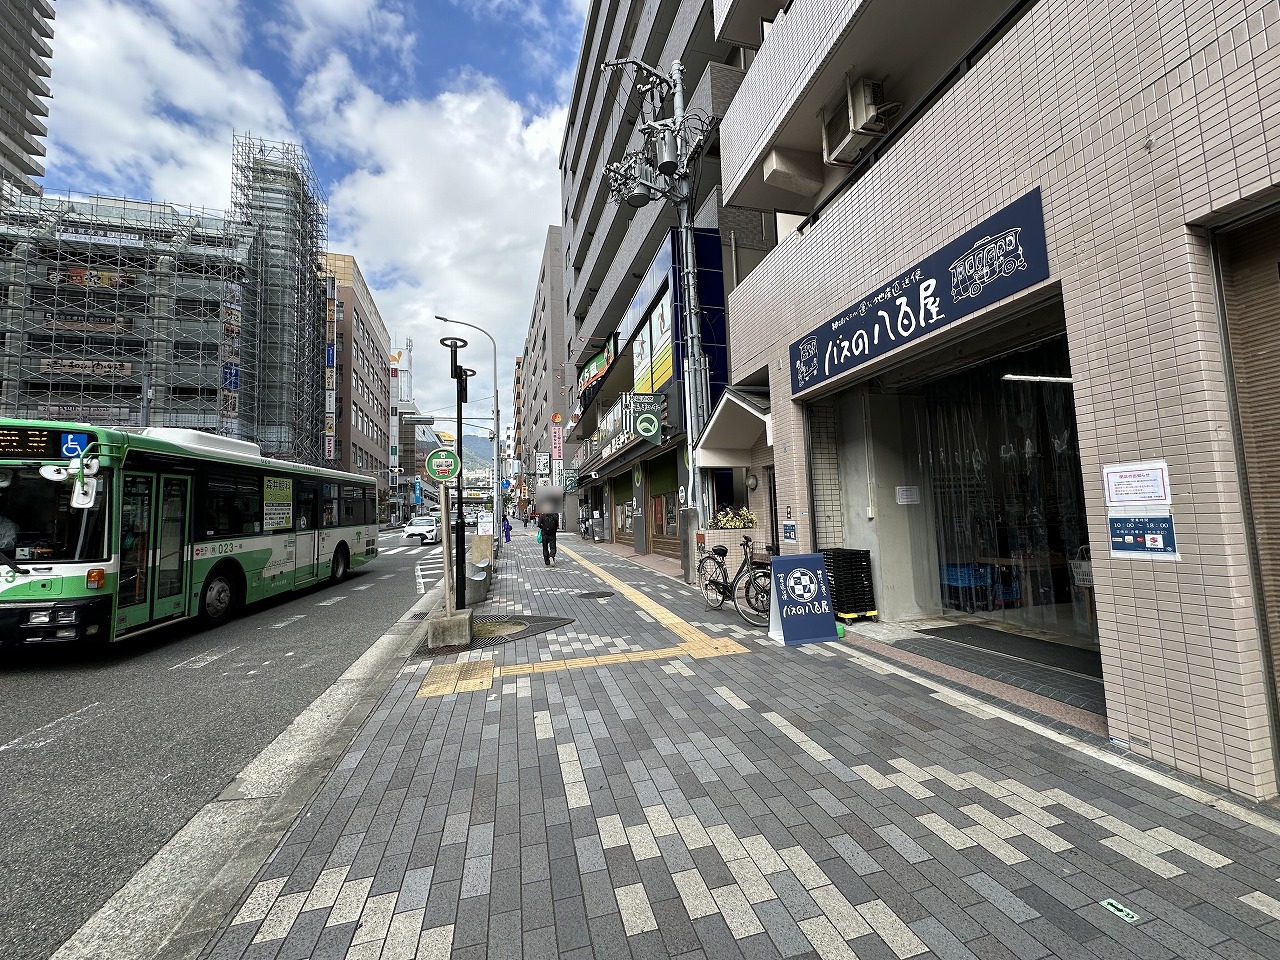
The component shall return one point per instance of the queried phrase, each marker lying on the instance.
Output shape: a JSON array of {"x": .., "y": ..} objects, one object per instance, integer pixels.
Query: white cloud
[
  {"x": 312, "y": 27},
  {"x": 146, "y": 98},
  {"x": 446, "y": 209}
]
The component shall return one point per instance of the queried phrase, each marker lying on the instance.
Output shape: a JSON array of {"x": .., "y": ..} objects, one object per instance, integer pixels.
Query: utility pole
[
  {"x": 459, "y": 374},
  {"x": 664, "y": 169}
]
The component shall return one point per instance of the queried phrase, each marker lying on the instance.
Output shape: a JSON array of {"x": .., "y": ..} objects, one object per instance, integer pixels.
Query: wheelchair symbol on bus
[{"x": 74, "y": 444}]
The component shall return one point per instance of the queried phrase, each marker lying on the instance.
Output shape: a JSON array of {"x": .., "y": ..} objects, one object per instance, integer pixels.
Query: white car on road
[{"x": 426, "y": 529}]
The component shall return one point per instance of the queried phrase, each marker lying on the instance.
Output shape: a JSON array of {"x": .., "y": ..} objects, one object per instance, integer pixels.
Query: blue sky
[{"x": 433, "y": 125}]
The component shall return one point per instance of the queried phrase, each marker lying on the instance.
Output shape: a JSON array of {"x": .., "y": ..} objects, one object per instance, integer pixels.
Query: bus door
[
  {"x": 172, "y": 570},
  {"x": 306, "y": 532},
  {"x": 153, "y": 550}
]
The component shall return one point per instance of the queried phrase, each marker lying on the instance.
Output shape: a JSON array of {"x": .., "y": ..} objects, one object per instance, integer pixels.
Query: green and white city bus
[{"x": 106, "y": 533}]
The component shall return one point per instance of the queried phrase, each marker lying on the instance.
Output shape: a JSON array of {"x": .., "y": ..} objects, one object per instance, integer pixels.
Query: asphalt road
[{"x": 104, "y": 757}]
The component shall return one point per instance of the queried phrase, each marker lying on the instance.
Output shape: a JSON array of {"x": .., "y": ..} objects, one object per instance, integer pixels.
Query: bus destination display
[
  {"x": 40, "y": 444},
  {"x": 27, "y": 442}
]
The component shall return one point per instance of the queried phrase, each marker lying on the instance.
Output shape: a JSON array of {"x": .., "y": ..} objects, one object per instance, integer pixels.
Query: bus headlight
[
  {"x": 95, "y": 578},
  {"x": 66, "y": 616},
  {"x": 40, "y": 616}
]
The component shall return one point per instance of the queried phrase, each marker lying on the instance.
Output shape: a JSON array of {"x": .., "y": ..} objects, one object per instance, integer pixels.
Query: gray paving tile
[{"x": 519, "y": 866}]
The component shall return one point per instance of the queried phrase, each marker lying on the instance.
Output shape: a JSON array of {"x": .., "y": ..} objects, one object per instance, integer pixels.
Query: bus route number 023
[{"x": 216, "y": 550}]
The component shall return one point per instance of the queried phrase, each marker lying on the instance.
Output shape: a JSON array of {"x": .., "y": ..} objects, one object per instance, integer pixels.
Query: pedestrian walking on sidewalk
[
  {"x": 548, "y": 524},
  {"x": 506, "y": 528}
]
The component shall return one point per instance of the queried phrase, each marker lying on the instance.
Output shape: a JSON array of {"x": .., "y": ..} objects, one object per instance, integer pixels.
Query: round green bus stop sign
[{"x": 443, "y": 465}]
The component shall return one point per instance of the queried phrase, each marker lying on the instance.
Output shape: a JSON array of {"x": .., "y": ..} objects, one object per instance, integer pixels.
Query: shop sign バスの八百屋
[{"x": 1000, "y": 256}]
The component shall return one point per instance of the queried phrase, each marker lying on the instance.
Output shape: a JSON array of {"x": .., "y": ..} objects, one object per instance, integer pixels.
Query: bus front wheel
[
  {"x": 220, "y": 595},
  {"x": 338, "y": 569}
]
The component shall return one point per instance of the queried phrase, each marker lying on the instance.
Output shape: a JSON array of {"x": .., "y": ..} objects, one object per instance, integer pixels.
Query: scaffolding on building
[
  {"x": 119, "y": 312},
  {"x": 281, "y": 372}
]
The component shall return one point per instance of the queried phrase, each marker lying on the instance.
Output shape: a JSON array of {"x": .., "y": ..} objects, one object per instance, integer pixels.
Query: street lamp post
[
  {"x": 497, "y": 431},
  {"x": 664, "y": 168}
]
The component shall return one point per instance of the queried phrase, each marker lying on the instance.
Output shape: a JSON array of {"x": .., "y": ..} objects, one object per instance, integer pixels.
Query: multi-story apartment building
[
  {"x": 623, "y": 266},
  {"x": 542, "y": 393},
  {"x": 518, "y": 477},
  {"x": 1014, "y": 339},
  {"x": 363, "y": 376},
  {"x": 25, "y": 31}
]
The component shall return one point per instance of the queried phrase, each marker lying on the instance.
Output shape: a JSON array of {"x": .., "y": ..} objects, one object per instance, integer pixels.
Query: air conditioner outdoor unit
[{"x": 854, "y": 121}]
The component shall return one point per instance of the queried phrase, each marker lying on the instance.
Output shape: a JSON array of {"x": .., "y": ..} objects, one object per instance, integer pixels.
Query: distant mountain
[{"x": 477, "y": 452}]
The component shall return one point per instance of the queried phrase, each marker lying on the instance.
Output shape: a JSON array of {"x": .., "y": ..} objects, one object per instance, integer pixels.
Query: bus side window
[
  {"x": 352, "y": 504},
  {"x": 234, "y": 506},
  {"x": 330, "y": 500}
]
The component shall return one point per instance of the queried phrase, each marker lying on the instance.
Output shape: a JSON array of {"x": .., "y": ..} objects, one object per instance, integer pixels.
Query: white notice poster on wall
[
  {"x": 906, "y": 495},
  {"x": 1137, "y": 484}
]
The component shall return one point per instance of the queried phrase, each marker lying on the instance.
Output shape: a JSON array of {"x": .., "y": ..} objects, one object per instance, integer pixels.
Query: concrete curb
[{"x": 179, "y": 899}]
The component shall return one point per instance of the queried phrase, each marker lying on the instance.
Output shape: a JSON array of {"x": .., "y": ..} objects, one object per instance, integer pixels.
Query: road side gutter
[{"x": 175, "y": 903}]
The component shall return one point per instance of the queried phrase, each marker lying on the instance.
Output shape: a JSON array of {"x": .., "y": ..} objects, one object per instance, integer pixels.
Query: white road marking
[
  {"x": 285, "y": 623},
  {"x": 364, "y": 587},
  {"x": 42, "y": 736},
  {"x": 331, "y": 601},
  {"x": 387, "y": 576},
  {"x": 427, "y": 571},
  {"x": 393, "y": 551},
  {"x": 204, "y": 659}
]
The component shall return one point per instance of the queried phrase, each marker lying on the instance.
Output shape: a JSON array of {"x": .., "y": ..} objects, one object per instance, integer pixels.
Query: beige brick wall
[{"x": 1135, "y": 121}]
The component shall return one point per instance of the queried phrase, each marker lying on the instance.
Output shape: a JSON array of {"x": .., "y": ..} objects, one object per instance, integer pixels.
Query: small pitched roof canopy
[{"x": 735, "y": 427}]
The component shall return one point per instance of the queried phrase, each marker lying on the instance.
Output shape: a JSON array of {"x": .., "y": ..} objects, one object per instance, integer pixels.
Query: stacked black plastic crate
[{"x": 849, "y": 575}]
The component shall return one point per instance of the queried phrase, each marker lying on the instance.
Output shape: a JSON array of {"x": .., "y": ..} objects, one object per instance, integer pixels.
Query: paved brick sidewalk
[{"x": 631, "y": 785}]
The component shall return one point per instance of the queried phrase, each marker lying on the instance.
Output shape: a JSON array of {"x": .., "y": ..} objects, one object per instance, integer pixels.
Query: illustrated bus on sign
[{"x": 109, "y": 533}]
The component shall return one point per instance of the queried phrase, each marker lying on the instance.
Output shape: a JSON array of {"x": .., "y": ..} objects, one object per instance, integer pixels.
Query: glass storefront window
[{"x": 663, "y": 516}]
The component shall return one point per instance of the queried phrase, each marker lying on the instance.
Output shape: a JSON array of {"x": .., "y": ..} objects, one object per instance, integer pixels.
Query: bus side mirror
[{"x": 84, "y": 493}]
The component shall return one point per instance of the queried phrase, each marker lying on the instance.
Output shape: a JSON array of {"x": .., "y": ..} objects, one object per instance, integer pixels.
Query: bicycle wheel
[
  {"x": 751, "y": 597},
  {"x": 712, "y": 580}
]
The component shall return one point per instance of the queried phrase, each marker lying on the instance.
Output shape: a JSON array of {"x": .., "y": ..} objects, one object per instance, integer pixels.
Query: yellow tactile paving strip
[{"x": 449, "y": 678}]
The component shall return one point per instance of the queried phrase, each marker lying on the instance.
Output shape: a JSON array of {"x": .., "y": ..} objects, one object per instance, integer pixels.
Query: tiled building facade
[{"x": 1149, "y": 132}]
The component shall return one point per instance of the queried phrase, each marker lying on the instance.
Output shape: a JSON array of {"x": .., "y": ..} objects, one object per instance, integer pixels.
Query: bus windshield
[{"x": 37, "y": 522}]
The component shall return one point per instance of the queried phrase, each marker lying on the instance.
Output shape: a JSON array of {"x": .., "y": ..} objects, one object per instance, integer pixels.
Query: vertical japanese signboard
[
  {"x": 329, "y": 438},
  {"x": 229, "y": 395}
]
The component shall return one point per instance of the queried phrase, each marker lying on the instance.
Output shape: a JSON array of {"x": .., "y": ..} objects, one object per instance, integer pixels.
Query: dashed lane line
[
  {"x": 204, "y": 659},
  {"x": 42, "y": 736}
]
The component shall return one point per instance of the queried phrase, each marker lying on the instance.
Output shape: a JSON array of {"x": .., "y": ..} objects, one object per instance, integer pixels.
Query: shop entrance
[{"x": 1001, "y": 453}]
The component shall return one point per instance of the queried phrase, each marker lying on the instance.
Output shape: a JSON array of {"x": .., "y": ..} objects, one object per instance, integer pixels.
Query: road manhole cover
[{"x": 595, "y": 595}]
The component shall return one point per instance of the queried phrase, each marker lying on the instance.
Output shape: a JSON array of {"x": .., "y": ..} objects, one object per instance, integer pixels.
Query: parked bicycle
[{"x": 749, "y": 587}]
